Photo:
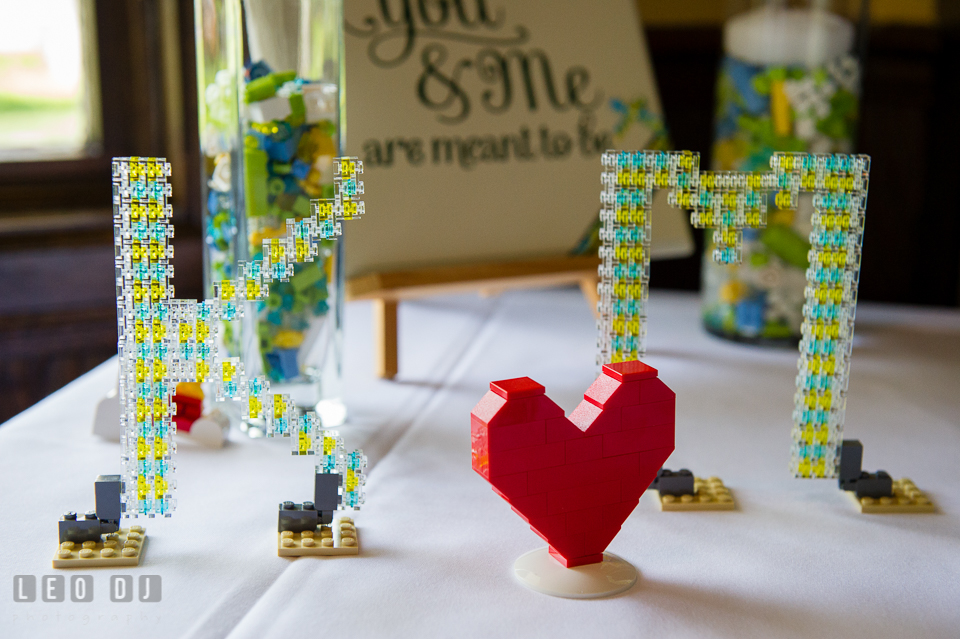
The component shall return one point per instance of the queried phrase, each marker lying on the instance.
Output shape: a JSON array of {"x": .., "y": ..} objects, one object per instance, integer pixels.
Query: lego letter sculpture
[
  {"x": 730, "y": 201},
  {"x": 629, "y": 180},
  {"x": 164, "y": 341},
  {"x": 575, "y": 480}
]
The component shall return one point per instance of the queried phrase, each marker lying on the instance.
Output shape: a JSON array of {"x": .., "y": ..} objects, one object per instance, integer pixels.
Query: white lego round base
[{"x": 537, "y": 570}]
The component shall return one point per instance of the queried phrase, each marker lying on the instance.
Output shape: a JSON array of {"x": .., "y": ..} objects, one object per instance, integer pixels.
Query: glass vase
[
  {"x": 288, "y": 128},
  {"x": 789, "y": 81}
]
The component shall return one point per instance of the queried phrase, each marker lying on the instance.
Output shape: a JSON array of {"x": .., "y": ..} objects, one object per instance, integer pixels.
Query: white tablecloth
[{"x": 795, "y": 559}]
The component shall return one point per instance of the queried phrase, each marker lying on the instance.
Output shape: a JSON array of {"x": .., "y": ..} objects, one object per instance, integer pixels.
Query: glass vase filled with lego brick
[
  {"x": 789, "y": 81},
  {"x": 290, "y": 115},
  {"x": 219, "y": 68}
]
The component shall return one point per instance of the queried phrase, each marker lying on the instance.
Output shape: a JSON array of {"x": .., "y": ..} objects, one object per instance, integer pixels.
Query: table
[{"x": 795, "y": 559}]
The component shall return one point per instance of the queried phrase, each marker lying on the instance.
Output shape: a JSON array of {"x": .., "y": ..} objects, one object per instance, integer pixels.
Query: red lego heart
[{"x": 575, "y": 480}]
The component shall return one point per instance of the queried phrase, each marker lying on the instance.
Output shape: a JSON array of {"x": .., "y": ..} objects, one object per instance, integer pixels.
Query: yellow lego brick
[
  {"x": 340, "y": 539},
  {"x": 115, "y": 550},
  {"x": 709, "y": 494},
  {"x": 166, "y": 339},
  {"x": 189, "y": 389},
  {"x": 907, "y": 499}
]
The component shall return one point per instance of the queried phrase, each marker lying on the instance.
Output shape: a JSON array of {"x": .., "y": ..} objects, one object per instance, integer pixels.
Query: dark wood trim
[
  {"x": 46, "y": 321},
  {"x": 130, "y": 87},
  {"x": 40, "y": 229}
]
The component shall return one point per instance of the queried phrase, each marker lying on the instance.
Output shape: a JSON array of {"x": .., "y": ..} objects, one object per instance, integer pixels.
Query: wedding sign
[{"x": 482, "y": 122}]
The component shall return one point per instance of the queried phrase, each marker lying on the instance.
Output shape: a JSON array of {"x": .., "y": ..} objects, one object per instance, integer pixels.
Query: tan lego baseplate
[
  {"x": 709, "y": 494},
  {"x": 114, "y": 550},
  {"x": 907, "y": 499},
  {"x": 339, "y": 539}
]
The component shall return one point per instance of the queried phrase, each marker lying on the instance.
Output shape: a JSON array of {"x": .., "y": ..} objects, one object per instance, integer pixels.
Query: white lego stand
[
  {"x": 106, "y": 421},
  {"x": 539, "y": 571}
]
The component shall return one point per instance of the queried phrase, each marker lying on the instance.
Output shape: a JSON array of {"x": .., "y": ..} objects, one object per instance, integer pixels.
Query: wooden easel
[{"x": 388, "y": 289}]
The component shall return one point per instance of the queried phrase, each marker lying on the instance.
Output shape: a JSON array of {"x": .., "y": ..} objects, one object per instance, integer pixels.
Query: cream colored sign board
[{"x": 481, "y": 124}]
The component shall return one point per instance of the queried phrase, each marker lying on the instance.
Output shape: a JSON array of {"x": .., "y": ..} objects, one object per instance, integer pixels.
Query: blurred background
[{"x": 82, "y": 81}]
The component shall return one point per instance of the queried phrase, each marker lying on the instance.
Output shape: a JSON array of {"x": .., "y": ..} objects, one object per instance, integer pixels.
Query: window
[{"x": 49, "y": 89}]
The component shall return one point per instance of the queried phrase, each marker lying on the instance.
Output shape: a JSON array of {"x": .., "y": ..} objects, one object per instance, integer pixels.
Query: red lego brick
[
  {"x": 563, "y": 474},
  {"x": 646, "y": 415},
  {"x": 545, "y": 455},
  {"x": 629, "y": 371},
  {"x": 561, "y": 429},
  {"x": 567, "y": 544},
  {"x": 638, "y": 439},
  {"x": 576, "y": 561},
  {"x": 583, "y": 497},
  {"x": 188, "y": 410},
  {"x": 519, "y": 513},
  {"x": 601, "y": 533},
  {"x": 526, "y": 409},
  {"x": 619, "y": 467},
  {"x": 521, "y": 460},
  {"x": 517, "y": 388},
  {"x": 578, "y": 522},
  {"x": 636, "y": 485},
  {"x": 509, "y": 486},
  {"x": 495, "y": 411},
  {"x": 584, "y": 449},
  {"x": 601, "y": 536},
  {"x": 634, "y": 417},
  {"x": 654, "y": 390},
  {"x": 615, "y": 514},
  {"x": 554, "y": 523},
  {"x": 487, "y": 408},
  {"x": 607, "y": 392},
  {"x": 479, "y": 434},
  {"x": 594, "y": 420},
  {"x": 478, "y": 446},
  {"x": 531, "y": 506},
  {"x": 182, "y": 398},
  {"x": 566, "y": 476},
  {"x": 662, "y": 412},
  {"x": 595, "y": 471},
  {"x": 538, "y": 533},
  {"x": 478, "y": 428},
  {"x": 651, "y": 459},
  {"x": 513, "y": 436}
]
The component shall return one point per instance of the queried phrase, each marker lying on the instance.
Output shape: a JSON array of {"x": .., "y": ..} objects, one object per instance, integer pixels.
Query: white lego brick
[{"x": 275, "y": 108}]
